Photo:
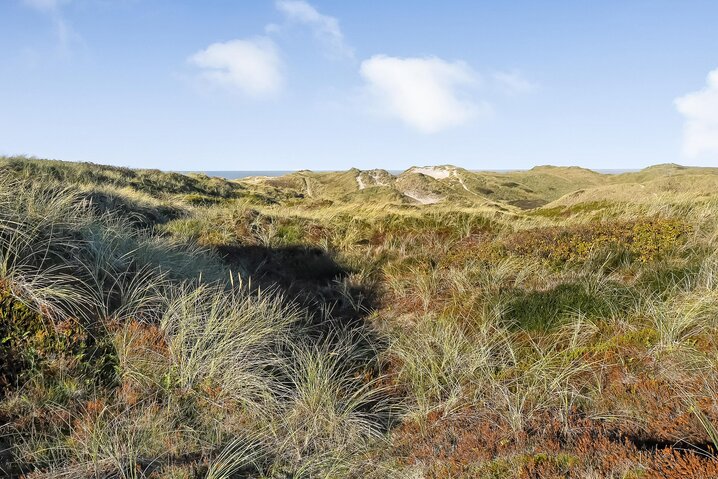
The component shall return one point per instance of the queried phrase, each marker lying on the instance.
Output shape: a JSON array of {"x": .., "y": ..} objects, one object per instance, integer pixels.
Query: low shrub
[
  {"x": 646, "y": 239},
  {"x": 31, "y": 344}
]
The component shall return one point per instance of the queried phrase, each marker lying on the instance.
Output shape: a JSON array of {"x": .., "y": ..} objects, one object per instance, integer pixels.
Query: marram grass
[{"x": 160, "y": 325}]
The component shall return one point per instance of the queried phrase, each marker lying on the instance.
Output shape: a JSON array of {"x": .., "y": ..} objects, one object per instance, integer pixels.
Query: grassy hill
[
  {"x": 656, "y": 184},
  {"x": 439, "y": 323},
  {"x": 455, "y": 187}
]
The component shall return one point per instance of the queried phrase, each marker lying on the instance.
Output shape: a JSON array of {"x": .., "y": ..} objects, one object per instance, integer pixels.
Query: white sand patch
[
  {"x": 377, "y": 179},
  {"x": 423, "y": 199},
  {"x": 254, "y": 179},
  {"x": 436, "y": 172},
  {"x": 360, "y": 182},
  {"x": 461, "y": 181}
]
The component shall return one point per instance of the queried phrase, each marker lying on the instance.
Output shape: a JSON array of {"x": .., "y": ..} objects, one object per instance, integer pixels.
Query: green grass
[
  {"x": 163, "y": 325},
  {"x": 545, "y": 310},
  {"x": 154, "y": 182}
]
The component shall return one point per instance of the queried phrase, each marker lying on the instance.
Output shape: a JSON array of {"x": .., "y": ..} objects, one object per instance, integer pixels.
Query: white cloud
[
  {"x": 325, "y": 28},
  {"x": 423, "y": 92},
  {"x": 700, "y": 110},
  {"x": 513, "y": 82},
  {"x": 251, "y": 66}
]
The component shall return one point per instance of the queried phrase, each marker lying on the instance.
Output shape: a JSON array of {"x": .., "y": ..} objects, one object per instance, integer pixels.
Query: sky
[{"x": 330, "y": 85}]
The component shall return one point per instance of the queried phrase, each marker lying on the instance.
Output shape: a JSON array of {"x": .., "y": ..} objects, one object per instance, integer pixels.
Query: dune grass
[{"x": 161, "y": 325}]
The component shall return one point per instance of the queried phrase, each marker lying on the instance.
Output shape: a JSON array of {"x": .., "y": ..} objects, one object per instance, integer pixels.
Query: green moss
[
  {"x": 563, "y": 462},
  {"x": 642, "y": 338},
  {"x": 499, "y": 468},
  {"x": 290, "y": 234}
]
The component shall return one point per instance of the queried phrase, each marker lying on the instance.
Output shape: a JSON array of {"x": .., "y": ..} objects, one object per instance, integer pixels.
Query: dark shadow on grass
[
  {"x": 311, "y": 277},
  {"x": 140, "y": 215},
  {"x": 545, "y": 310}
]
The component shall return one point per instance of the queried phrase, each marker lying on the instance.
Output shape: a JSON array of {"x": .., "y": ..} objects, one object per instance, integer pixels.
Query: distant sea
[{"x": 234, "y": 175}]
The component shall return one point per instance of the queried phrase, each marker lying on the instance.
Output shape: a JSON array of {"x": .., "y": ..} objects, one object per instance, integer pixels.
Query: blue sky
[{"x": 261, "y": 85}]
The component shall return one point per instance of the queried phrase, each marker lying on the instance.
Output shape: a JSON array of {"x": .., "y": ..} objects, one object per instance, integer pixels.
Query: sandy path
[{"x": 423, "y": 199}]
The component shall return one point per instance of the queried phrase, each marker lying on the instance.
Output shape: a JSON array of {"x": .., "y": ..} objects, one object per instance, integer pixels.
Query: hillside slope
[
  {"x": 442, "y": 185},
  {"x": 435, "y": 324}
]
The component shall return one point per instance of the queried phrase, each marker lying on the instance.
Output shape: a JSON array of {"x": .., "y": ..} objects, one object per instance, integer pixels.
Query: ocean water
[
  {"x": 615, "y": 172},
  {"x": 234, "y": 175}
]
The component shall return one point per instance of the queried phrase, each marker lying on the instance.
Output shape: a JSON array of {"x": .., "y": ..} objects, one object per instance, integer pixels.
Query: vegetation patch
[
  {"x": 566, "y": 211},
  {"x": 31, "y": 344},
  {"x": 646, "y": 240},
  {"x": 164, "y": 325},
  {"x": 544, "y": 310}
]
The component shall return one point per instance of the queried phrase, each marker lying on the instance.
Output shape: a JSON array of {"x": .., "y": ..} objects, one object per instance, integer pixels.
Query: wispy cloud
[
  {"x": 44, "y": 5},
  {"x": 700, "y": 110},
  {"x": 425, "y": 93},
  {"x": 252, "y": 66},
  {"x": 325, "y": 27},
  {"x": 513, "y": 83},
  {"x": 53, "y": 8}
]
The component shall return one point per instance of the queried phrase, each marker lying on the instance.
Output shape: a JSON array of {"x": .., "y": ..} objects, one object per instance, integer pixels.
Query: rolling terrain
[
  {"x": 438, "y": 323},
  {"x": 458, "y": 187}
]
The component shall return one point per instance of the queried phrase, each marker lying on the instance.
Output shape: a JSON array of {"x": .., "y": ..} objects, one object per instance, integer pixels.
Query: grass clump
[{"x": 544, "y": 310}]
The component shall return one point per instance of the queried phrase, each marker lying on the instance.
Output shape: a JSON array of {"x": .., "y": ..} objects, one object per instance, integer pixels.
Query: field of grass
[{"x": 442, "y": 323}]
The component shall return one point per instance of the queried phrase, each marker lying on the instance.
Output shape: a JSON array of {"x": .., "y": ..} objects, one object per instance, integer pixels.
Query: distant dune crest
[{"x": 540, "y": 186}]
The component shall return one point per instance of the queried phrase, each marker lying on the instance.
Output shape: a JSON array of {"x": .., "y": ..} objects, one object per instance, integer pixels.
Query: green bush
[
  {"x": 30, "y": 343},
  {"x": 646, "y": 239}
]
